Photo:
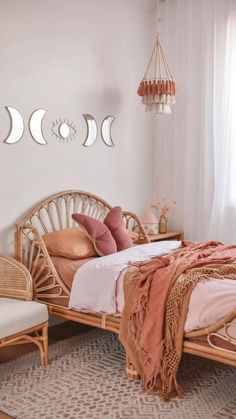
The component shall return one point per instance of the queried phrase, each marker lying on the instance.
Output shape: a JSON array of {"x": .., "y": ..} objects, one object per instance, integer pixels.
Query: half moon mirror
[
  {"x": 92, "y": 130},
  {"x": 106, "y": 130},
  {"x": 35, "y": 126},
  {"x": 17, "y": 126}
]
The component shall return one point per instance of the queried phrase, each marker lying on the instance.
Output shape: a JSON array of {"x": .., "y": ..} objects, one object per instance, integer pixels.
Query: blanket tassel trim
[{"x": 164, "y": 382}]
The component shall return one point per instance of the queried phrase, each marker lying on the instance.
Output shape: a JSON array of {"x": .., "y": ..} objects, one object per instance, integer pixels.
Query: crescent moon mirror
[
  {"x": 106, "y": 130},
  {"x": 92, "y": 130},
  {"x": 17, "y": 126},
  {"x": 35, "y": 126}
]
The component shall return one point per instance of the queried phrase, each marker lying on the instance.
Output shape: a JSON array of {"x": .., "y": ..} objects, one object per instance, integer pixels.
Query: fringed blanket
[{"x": 157, "y": 295}]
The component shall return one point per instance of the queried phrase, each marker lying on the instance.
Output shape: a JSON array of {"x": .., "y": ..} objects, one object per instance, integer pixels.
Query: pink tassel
[
  {"x": 139, "y": 91},
  {"x": 162, "y": 87},
  {"x": 149, "y": 88},
  {"x": 159, "y": 87},
  {"x": 153, "y": 90}
]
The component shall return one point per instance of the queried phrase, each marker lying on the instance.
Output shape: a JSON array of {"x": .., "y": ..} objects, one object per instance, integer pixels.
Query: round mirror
[{"x": 64, "y": 130}]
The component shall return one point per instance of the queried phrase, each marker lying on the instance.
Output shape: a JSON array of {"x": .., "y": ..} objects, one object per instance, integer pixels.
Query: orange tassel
[
  {"x": 149, "y": 88},
  {"x": 162, "y": 87},
  {"x": 156, "y": 87},
  {"x": 174, "y": 88},
  {"x": 153, "y": 90},
  {"x": 165, "y": 88},
  {"x": 139, "y": 91},
  {"x": 145, "y": 88}
]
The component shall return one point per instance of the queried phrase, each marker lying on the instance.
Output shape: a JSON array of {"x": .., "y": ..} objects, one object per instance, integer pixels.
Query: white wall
[{"x": 73, "y": 57}]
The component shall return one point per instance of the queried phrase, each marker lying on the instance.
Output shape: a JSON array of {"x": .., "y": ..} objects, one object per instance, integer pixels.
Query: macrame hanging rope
[{"x": 157, "y": 88}]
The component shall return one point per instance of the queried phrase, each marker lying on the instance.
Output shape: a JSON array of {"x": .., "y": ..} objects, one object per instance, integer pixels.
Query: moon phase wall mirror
[
  {"x": 92, "y": 130},
  {"x": 63, "y": 130},
  {"x": 106, "y": 130},
  {"x": 17, "y": 126},
  {"x": 35, "y": 126}
]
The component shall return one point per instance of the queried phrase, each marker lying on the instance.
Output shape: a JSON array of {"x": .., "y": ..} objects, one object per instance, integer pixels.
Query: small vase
[{"x": 163, "y": 224}]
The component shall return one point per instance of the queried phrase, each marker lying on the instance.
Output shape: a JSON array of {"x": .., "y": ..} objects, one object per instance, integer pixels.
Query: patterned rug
[{"x": 86, "y": 379}]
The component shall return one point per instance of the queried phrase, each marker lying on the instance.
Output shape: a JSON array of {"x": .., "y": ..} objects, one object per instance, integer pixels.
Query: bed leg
[{"x": 131, "y": 372}]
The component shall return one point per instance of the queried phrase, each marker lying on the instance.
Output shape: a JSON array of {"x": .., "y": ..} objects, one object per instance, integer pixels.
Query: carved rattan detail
[
  {"x": 210, "y": 350},
  {"x": 37, "y": 335},
  {"x": 226, "y": 337}
]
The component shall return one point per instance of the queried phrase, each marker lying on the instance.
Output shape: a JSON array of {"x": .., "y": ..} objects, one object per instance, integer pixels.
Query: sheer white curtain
[{"x": 195, "y": 147}]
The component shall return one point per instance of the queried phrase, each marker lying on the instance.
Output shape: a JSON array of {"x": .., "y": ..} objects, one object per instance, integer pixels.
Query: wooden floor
[{"x": 56, "y": 333}]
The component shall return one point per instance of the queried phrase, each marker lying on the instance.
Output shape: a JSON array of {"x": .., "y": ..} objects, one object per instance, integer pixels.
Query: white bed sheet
[{"x": 94, "y": 285}]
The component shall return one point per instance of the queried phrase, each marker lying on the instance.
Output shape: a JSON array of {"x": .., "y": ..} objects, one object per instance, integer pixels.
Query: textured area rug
[{"x": 86, "y": 379}]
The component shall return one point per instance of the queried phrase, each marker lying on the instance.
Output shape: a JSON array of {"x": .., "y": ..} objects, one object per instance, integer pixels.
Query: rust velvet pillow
[
  {"x": 71, "y": 243},
  {"x": 98, "y": 233},
  {"x": 114, "y": 222}
]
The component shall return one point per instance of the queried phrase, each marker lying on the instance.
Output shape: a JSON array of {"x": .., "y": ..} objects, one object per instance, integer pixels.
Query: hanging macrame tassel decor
[{"x": 157, "y": 88}]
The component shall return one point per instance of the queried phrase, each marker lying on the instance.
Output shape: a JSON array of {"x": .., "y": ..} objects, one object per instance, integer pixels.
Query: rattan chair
[{"x": 21, "y": 319}]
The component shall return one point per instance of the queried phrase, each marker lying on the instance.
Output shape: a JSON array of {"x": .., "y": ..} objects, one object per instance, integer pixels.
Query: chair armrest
[{"x": 15, "y": 279}]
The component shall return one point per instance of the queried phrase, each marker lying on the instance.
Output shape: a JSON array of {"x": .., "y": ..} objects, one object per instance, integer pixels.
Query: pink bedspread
[{"x": 210, "y": 300}]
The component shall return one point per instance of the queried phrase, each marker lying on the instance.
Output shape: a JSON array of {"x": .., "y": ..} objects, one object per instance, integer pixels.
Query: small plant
[{"x": 163, "y": 208}]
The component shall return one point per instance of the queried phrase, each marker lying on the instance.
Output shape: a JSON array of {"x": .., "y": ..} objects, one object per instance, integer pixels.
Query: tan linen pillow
[{"x": 71, "y": 243}]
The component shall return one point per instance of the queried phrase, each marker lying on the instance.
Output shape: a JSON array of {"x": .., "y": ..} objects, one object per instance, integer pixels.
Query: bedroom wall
[{"x": 72, "y": 57}]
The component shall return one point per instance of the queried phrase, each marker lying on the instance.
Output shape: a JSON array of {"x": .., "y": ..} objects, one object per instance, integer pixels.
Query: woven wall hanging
[{"x": 158, "y": 88}]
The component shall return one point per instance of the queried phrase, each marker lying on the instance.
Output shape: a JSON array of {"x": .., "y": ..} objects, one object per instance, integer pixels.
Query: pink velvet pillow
[
  {"x": 114, "y": 222},
  {"x": 98, "y": 233}
]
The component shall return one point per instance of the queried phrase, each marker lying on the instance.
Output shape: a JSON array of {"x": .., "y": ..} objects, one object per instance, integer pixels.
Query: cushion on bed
[
  {"x": 114, "y": 222},
  {"x": 98, "y": 233},
  {"x": 72, "y": 243}
]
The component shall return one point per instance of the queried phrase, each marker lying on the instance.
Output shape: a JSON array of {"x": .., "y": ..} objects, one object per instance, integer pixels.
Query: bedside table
[{"x": 170, "y": 235}]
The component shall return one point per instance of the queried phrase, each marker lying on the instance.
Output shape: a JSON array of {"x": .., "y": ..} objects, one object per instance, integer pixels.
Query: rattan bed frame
[{"x": 54, "y": 213}]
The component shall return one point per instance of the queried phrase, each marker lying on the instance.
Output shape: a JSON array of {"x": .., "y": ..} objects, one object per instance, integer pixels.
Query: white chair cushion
[{"x": 17, "y": 315}]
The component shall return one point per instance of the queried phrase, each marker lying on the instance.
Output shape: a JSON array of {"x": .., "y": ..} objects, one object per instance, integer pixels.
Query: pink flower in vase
[
  {"x": 164, "y": 211},
  {"x": 162, "y": 208}
]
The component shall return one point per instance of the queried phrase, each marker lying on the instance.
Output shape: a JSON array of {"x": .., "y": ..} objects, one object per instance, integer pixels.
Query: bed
[{"x": 216, "y": 341}]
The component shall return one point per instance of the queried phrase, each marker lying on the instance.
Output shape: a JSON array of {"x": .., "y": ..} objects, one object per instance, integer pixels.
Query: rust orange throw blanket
[{"x": 152, "y": 324}]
